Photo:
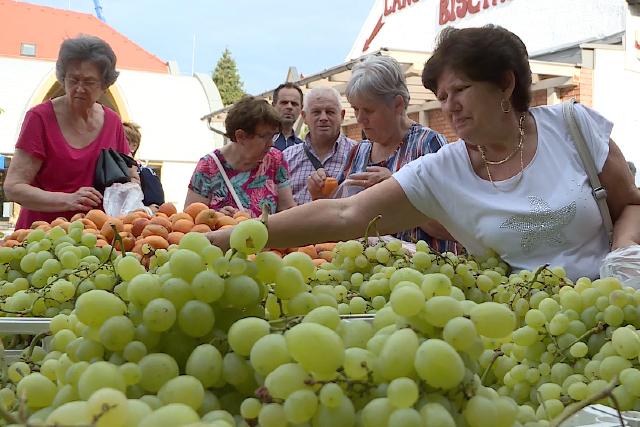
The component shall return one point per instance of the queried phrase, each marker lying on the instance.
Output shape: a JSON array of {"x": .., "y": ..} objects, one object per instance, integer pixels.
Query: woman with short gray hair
[
  {"x": 379, "y": 96},
  {"x": 51, "y": 173}
]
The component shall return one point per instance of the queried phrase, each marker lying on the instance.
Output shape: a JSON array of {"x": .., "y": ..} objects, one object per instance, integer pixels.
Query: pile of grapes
[{"x": 374, "y": 338}]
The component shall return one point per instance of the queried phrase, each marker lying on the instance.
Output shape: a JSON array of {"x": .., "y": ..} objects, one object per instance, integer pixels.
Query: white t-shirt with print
[{"x": 549, "y": 217}]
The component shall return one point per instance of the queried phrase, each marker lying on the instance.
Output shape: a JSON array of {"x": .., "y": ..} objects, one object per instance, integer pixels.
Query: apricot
[
  {"x": 208, "y": 217},
  {"x": 180, "y": 215},
  {"x": 138, "y": 225},
  {"x": 201, "y": 228},
  {"x": 128, "y": 242},
  {"x": 156, "y": 242},
  {"x": 329, "y": 246},
  {"x": 242, "y": 214},
  {"x": 194, "y": 208},
  {"x": 62, "y": 222},
  {"x": 98, "y": 217},
  {"x": 309, "y": 250},
  {"x": 101, "y": 243},
  {"x": 37, "y": 224},
  {"x": 182, "y": 225},
  {"x": 329, "y": 186},
  {"x": 76, "y": 217},
  {"x": 155, "y": 230},
  {"x": 167, "y": 208},
  {"x": 174, "y": 237},
  {"x": 328, "y": 255},
  {"x": 107, "y": 231},
  {"x": 161, "y": 221},
  {"x": 10, "y": 243},
  {"x": 226, "y": 220},
  {"x": 88, "y": 223},
  {"x": 318, "y": 261}
]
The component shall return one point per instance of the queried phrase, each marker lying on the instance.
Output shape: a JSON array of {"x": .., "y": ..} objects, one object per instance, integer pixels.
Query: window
[{"x": 28, "y": 49}]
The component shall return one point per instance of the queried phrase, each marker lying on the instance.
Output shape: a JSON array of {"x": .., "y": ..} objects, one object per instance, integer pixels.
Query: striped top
[{"x": 418, "y": 141}]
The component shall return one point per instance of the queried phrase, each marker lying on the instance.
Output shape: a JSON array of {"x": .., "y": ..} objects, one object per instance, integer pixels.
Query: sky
[{"x": 265, "y": 37}]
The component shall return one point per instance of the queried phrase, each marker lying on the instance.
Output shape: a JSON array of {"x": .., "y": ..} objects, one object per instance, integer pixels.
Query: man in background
[
  {"x": 325, "y": 148},
  {"x": 287, "y": 99}
]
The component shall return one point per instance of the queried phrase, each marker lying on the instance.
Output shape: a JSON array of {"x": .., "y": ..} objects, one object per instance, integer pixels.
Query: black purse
[{"x": 112, "y": 167}]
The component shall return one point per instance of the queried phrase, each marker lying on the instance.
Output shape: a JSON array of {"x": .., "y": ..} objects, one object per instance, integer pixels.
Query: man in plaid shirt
[{"x": 324, "y": 146}]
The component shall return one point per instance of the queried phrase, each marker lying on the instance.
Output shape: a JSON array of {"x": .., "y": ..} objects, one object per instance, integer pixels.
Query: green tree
[{"x": 227, "y": 79}]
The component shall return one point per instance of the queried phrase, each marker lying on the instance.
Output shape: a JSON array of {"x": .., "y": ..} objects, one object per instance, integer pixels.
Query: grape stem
[
  {"x": 32, "y": 345},
  {"x": 606, "y": 392},
  {"x": 371, "y": 224},
  {"x": 496, "y": 353},
  {"x": 596, "y": 329}
]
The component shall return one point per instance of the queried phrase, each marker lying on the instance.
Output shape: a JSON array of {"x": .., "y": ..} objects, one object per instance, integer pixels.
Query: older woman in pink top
[{"x": 51, "y": 173}]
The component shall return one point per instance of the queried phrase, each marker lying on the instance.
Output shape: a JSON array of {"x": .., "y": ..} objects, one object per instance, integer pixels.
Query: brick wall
[
  {"x": 353, "y": 131},
  {"x": 439, "y": 123},
  {"x": 539, "y": 97}
]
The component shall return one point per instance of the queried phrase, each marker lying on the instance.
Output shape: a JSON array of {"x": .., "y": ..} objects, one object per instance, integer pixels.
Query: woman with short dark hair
[
  {"x": 52, "y": 171},
  {"x": 514, "y": 183},
  {"x": 254, "y": 175}
]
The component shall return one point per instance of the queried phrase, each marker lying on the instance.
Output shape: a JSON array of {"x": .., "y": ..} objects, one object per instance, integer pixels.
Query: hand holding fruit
[
  {"x": 372, "y": 176},
  {"x": 315, "y": 182},
  {"x": 83, "y": 199}
]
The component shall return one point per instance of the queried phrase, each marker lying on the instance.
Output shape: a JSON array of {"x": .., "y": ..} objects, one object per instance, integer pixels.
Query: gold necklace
[
  {"x": 521, "y": 173},
  {"x": 515, "y": 150}
]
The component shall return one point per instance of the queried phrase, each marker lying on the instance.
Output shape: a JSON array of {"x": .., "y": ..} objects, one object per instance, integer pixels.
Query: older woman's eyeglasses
[{"x": 87, "y": 84}]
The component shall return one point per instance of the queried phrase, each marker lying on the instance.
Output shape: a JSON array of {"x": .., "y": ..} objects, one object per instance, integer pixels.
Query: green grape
[
  {"x": 205, "y": 364},
  {"x": 630, "y": 379},
  {"x": 439, "y": 364},
  {"x": 394, "y": 363},
  {"x": 269, "y": 352},
  {"x": 244, "y": 333},
  {"x": 94, "y": 307},
  {"x": 480, "y": 412},
  {"x": 493, "y": 320},
  {"x": 207, "y": 286},
  {"x": 358, "y": 363},
  {"x": 159, "y": 315},
  {"x": 17, "y": 371},
  {"x": 116, "y": 333},
  {"x": 272, "y": 415},
  {"x": 249, "y": 237},
  {"x": 99, "y": 375},
  {"x": 327, "y": 316},
  {"x": 579, "y": 350},
  {"x": 177, "y": 291},
  {"x": 355, "y": 333},
  {"x": 611, "y": 366},
  {"x": 250, "y": 408},
  {"x": 407, "y": 300},
  {"x": 62, "y": 338},
  {"x": 300, "y": 406},
  {"x": 289, "y": 282},
  {"x": 155, "y": 370},
  {"x": 134, "y": 351},
  {"x": 405, "y": 417},
  {"x": 357, "y": 305},
  {"x": 339, "y": 416},
  {"x": 302, "y": 262},
  {"x": 196, "y": 318},
  {"x": 559, "y": 324},
  {"x": 131, "y": 373},
  {"x": 70, "y": 413},
  {"x": 196, "y": 242},
  {"x": 173, "y": 414},
  {"x": 117, "y": 405},
  {"x": 286, "y": 379},
  {"x": 185, "y": 264},
  {"x": 438, "y": 310},
  {"x": 626, "y": 342},
  {"x": 183, "y": 389},
  {"x": 241, "y": 292},
  {"x": 406, "y": 275},
  {"x": 331, "y": 395},
  {"x": 459, "y": 332},
  {"x": 143, "y": 288},
  {"x": 376, "y": 413},
  {"x": 435, "y": 414},
  {"x": 317, "y": 348},
  {"x": 402, "y": 392}
]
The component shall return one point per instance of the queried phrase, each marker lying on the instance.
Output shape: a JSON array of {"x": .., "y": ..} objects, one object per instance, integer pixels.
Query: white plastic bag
[
  {"x": 120, "y": 199},
  {"x": 623, "y": 264},
  {"x": 347, "y": 189}
]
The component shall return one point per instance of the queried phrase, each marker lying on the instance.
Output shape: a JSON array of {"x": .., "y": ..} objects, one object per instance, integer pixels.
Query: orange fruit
[
  {"x": 328, "y": 255},
  {"x": 155, "y": 230},
  {"x": 180, "y": 215},
  {"x": 309, "y": 250},
  {"x": 194, "y": 208},
  {"x": 76, "y": 217},
  {"x": 201, "y": 228},
  {"x": 174, "y": 237},
  {"x": 243, "y": 214},
  {"x": 226, "y": 220},
  {"x": 161, "y": 221},
  {"x": 208, "y": 217},
  {"x": 318, "y": 261},
  {"x": 88, "y": 223},
  {"x": 98, "y": 217},
  {"x": 182, "y": 225},
  {"x": 138, "y": 225},
  {"x": 128, "y": 241},
  {"x": 168, "y": 209},
  {"x": 107, "y": 231},
  {"x": 156, "y": 242},
  {"x": 329, "y": 186}
]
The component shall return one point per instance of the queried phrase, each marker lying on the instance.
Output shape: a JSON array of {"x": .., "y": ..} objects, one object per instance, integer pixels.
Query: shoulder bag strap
[
  {"x": 598, "y": 191},
  {"x": 236, "y": 199},
  {"x": 314, "y": 161}
]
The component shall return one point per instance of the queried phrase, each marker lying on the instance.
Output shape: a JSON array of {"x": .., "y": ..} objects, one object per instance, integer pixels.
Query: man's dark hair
[{"x": 287, "y": 85}]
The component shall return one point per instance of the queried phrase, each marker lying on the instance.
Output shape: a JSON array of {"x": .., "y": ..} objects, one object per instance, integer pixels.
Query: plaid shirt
[{"x": 300, "y": 167}]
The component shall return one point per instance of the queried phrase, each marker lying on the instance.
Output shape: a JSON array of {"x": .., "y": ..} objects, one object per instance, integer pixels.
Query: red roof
[{"x": 47, "y": 27}]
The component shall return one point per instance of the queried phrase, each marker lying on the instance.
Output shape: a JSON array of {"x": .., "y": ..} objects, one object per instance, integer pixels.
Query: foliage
[{"x": 227, "y": 79}]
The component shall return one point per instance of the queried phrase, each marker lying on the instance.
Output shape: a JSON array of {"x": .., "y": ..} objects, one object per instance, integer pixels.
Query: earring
[{"x": 505, "y": 105}]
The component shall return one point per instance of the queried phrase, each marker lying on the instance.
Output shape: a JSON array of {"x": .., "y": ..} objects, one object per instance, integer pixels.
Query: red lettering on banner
[
  {"x": 396, "y": 5},
  {"x": 461, "y": 10},
  {"x": 450, "y": 10}
]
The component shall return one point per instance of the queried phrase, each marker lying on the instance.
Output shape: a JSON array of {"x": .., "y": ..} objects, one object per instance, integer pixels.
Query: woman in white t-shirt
[{"x": 514, "y": 182}]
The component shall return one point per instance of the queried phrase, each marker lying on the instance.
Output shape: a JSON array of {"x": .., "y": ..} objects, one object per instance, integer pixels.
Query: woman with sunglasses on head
[{"x": 51, "y": 173}]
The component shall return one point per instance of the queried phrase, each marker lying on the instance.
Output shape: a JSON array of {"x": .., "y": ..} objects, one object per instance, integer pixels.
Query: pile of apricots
[{"x": 166, "y": 227}]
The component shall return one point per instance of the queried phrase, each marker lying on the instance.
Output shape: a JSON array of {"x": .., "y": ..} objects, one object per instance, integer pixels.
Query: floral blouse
[{"x": 255, "y": 188}]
